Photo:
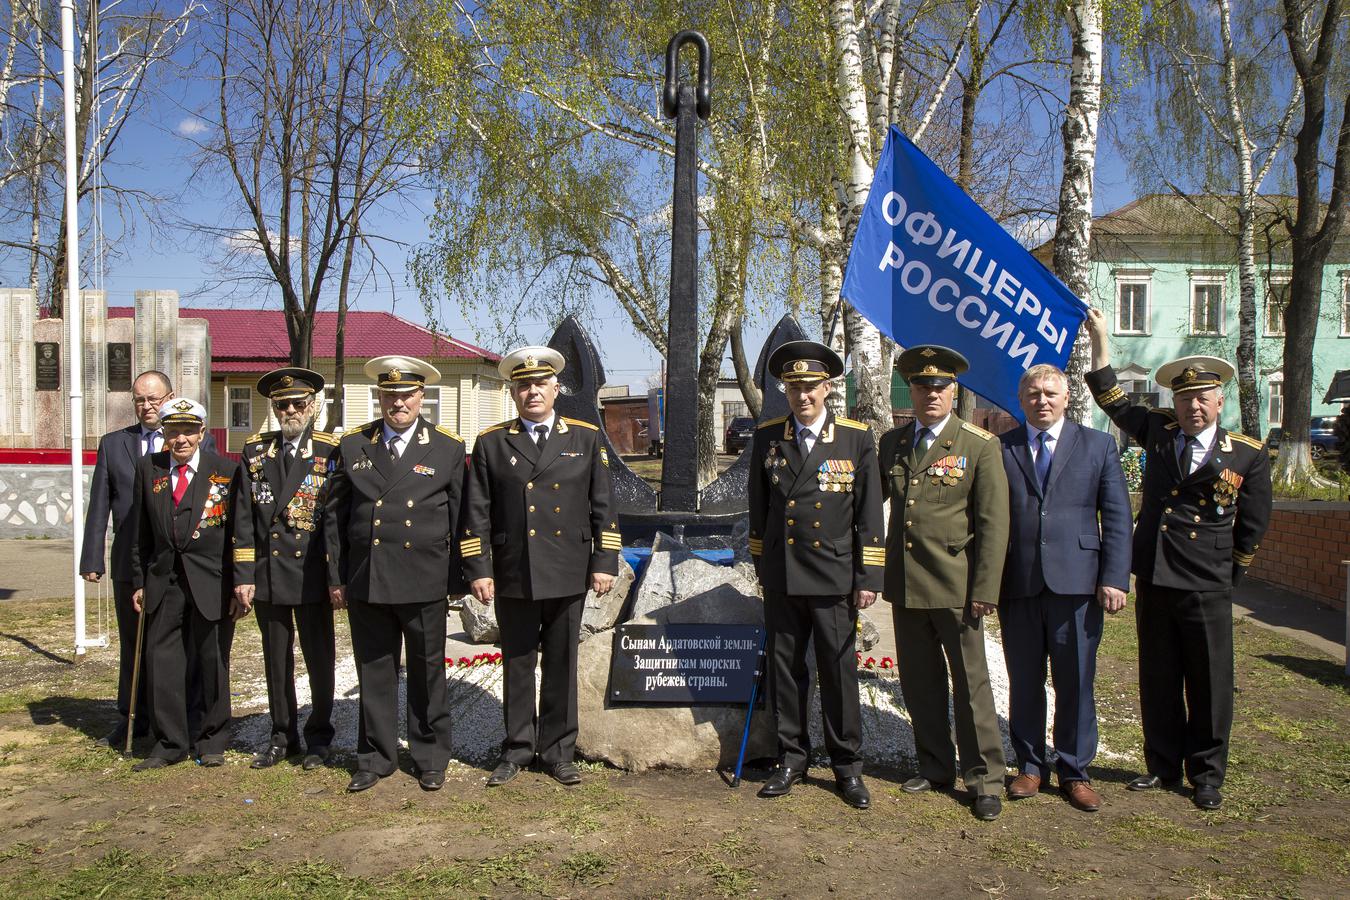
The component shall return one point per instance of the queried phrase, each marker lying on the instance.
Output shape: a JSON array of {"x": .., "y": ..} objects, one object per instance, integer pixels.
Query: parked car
[
  {"x": 739, "y": 432},
  {"x": 1322, "y": 436}
]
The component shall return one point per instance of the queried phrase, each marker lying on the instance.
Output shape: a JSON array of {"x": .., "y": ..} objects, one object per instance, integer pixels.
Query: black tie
[
  {"x": 1188, "y": 454},
  {"x": 393, "y": 447},
  {"x": 285, "y": 459},
  {"x": 542, "y": 431}
]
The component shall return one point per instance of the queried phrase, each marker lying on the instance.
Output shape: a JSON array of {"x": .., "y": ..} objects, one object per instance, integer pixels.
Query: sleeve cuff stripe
[{"x": 241, "y": 556}]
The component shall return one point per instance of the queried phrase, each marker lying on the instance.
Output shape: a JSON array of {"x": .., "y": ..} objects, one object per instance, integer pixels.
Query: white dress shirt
[
  {"x": 402, "y": 444},
  {"x": 192, "y": 465},
  {"x": 532, "y": 428},
  {"x": 807, "y": 434},
  {"x": 1051, "y": 438},
  {"x": 1204, "y": 446},
  {"x": 156, "y": 439},
  {"x": 933, "y": 431}
]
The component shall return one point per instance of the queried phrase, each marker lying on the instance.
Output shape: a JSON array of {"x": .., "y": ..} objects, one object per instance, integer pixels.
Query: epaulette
[
  {"x": 448, "y": 433},
  {"x": 977, "y": 431},
  {"x": 778, "y": 421},
  {"x": 498, "y": 427},
  {"x": 326, "y": 437},
  {"x": 253, "y": 438},
  {"x": 580, "y": 423},
  {"x": 1245, "y": 439},
  {"x": 850, "y": 423},
  {"x": 373, "y": 423}
]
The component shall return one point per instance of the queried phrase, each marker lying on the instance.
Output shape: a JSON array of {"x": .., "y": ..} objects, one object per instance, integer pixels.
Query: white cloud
[{"x": 191, "y": 127}]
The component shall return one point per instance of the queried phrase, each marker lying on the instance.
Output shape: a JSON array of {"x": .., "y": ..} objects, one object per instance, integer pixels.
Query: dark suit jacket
[
  {"x": 816, "y": 523},
  {"x": 111, "y": 492},
  {"x": 390, "y": 526},
  {"x": 192, "y": 539},
  {"x": 1054, "y": 541},
  {"x": 279, "y": 543},
  {"x": 1199, "y": 531},
  {"x": 547, "y": 516}
]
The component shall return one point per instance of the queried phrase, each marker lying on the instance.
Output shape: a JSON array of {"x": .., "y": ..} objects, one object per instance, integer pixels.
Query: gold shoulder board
[
  {"x": 1245, "y": 439},
  {"x": 326, "y": 437},
  {"x": 771, "y": 422},
  {"x": 498, "y": 427},
  {"x": 850, "y": 423},
  {"x": 448, "y": 433},
  {"x": 976, "y": 430},
  {"x": 580, "y": 423}
]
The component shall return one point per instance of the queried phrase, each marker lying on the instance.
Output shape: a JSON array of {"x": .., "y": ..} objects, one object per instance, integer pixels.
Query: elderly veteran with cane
[
  {"x": 1206, "y": 504},
  {"x": 816, "y": 538},
  {"x": 184, "y": 510},
  {"x": 539, "y": 530}
]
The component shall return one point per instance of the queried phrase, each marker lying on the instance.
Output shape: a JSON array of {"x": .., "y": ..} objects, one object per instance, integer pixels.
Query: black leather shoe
[
  {"x": 362, "y": 780},
  {"x": 781, "y": 781},
  {"x": 316, "y": 758},
  {"x": 431, "y": 779},
  {"x": 505, "y": 771},
  {"x": 565, "y": 773},
  {"x": 1207, "y": 797},
  {"x": 918, "y": 785},
  {"x": 212, "y": 760},
  {"x": 272, "y": 756},
  {"x": 116, "y": 739},
  {"x": 854, "y": 792},
  {"x": 987, "y": 807},
  {"x": 152, "y": 762},
  {"x": 1152, "y": 783}
]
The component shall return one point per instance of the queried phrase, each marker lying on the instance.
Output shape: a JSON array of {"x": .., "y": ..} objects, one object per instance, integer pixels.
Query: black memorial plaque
[
  {"x": 688, "y": 665},
  {"x": 48, "y": 370},
  {"x": 119, "y": 367}
]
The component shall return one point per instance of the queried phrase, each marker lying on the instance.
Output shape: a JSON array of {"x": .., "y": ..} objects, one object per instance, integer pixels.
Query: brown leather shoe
[
  {"x": 1024, "y": 786},
  {"x": 1081, "y": 796}
]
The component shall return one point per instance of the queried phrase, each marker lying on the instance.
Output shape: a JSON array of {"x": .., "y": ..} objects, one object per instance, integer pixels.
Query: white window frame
[
  {"x": 1145, "y": 279},
  {"x": 1275, "y": 280},
  {"x": 1208, "y": 279},
  {"x": 1275, "y": 380},
  {"x": 245, "y": 397}
]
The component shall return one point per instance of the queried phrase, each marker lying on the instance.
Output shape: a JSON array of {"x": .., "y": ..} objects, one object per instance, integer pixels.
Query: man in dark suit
[
  {"x": 392, "y": 514},
  {"x": 184, "y": 510},
  {"x": 539, "y": 530},
  {"x": 1206, "y": 501},
  {"x": 110, "y": 493},
  {"x": 1061, "y": 572},
  {"x": 283, "y": 559},
  {"x": 817, "y": 541},
  {"x": 944, "y": 558}
]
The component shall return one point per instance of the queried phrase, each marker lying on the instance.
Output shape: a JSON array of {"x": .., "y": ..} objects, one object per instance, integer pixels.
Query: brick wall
[{"x": 1303, "y": 550}]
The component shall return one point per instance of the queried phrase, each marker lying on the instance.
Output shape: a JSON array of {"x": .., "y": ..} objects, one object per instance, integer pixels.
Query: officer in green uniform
[
  {"x": 945, "y": 547},
  {"x": 539, "y": 530},
  {"x": 1205, "y": 505},
  {"x": 283, "y": 567},
  {"x": 816, "y": 538}
]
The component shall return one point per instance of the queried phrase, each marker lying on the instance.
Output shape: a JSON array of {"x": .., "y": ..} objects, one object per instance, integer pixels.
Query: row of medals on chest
[
  {"x": 834, "y": 475},
  {"x": 300, "y": 511}
]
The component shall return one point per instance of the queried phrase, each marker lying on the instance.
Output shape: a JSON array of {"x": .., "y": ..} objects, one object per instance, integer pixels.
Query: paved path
[{"x": 40, "y": 569}]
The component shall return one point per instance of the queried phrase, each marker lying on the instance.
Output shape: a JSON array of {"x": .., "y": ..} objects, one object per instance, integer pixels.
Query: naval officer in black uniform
[
  {"x": 1205, "y": 506},
  {"x": 539, "y": 530},
  {"x": 819, "y": 549},
  {"x": 280, "y": 561},
  {"x": 391, "y": 517}
]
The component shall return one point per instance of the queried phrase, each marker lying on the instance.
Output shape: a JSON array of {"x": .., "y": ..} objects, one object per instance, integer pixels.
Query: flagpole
[{"x": 74, "y": 314}]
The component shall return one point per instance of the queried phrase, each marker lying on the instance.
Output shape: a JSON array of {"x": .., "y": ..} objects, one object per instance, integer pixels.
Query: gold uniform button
[
  {"x": 792, "y": 521},
  {"x": 1197, "y": 518},
  {"x": 558, "y": 509},
  {"x": 407, "y": 545},
  {"x": 529, "y": 485},
  {"x": 298, "y": 554},
  {"x": 791, "y": 503},
  {"x": 815, "y": 524},
  {"x": 376, "y": 522},
  {"x": 791, "y": 541},
  {"x": 817, "y": 504},
  {"x": 275, "y": 536},
  {"x": 531, "y": 509},
  {"x": 379, "y": 503},
  {"x": 909, "y": 502},
  {"x": 815, "y": 543},
  {"x": 1164, "y": 528},
  {"x": 557, "y": 534},
  {"x": 276, "y": 552},
  {"x": 409, "y": 504},
  {"x": 556, "y": 486},
  {"x": 407, "y": 522},
  {"x": 1202, "y": 501},
  {"x": 914, "y": 481},
  {"x": 909, "y": 524},
  {"x": 531, "y": 532},
  {"x": 908, "y": 545},
  {"x": 376, "y": 542},
  {"x": 1167, "y": 509},
  {"x": 1174, "y": 493},
  {"x": 1192, "y": 535}
]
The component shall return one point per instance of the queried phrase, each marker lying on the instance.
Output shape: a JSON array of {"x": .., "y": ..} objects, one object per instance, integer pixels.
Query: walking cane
[
  {"x": 135, "y": 677},
  {"x": 750, "y": 710}
]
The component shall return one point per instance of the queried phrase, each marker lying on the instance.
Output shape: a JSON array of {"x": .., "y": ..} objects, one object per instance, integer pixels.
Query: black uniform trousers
[
  {"x": 379, "y": 632},
  {"x": 187, "y": 657},
  {"x": 1185, "y": 680},
  {"x": 127, "y": 623},
  {"x": 551, "y": 626},
  {"x": 279, "y": 624},
  {"x": 792, "y": 621}
]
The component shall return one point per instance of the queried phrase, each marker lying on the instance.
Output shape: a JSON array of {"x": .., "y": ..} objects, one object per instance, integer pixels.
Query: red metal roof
[{"x": 255, "y": 339}]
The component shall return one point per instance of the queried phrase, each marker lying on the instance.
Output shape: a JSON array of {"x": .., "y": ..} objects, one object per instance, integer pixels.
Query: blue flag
[{"x": 929, "y": 266}]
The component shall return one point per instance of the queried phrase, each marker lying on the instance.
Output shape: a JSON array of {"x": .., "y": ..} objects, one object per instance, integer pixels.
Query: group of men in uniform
[
  {"x": 389, "y": 520},
  {"x": 1034, "y": 526},
  {"x": 386, "y": 522}
]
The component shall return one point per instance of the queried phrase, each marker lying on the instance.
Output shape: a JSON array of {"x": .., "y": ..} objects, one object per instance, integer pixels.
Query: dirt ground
[{"x": 74, "y": 821}]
